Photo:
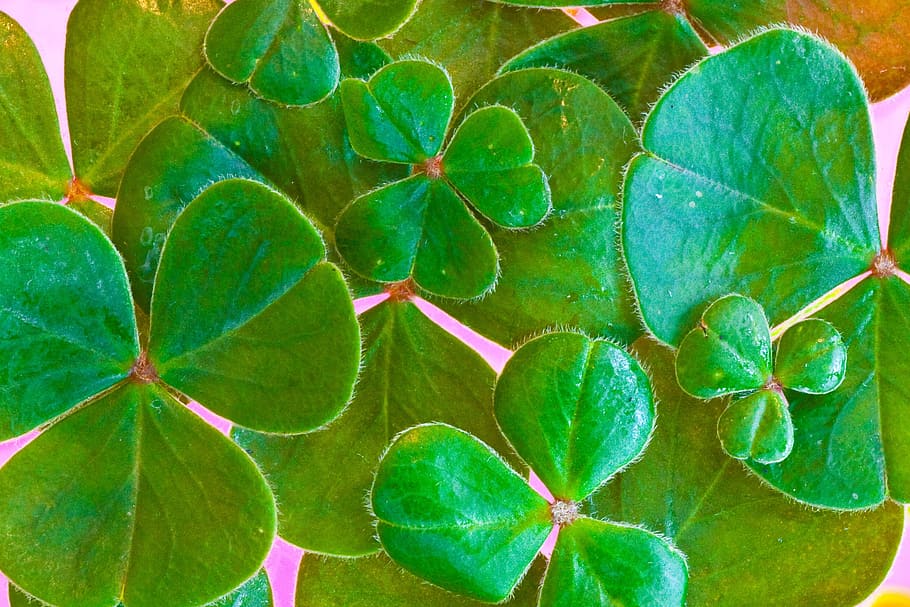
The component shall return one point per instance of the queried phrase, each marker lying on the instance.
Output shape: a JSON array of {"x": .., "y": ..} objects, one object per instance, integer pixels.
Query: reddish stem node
[
  {"x": 674, "y": 7},
  {"x": 143, "y": 370},
  {"x": 774, "y": 385},
  {"x": 76, "y": 191},
  {"x": 432, "y": 168},
  {"x": 564, "y": 512},
  {"x": 884, "y": 264},
  {"x": 401, "y": 291}
]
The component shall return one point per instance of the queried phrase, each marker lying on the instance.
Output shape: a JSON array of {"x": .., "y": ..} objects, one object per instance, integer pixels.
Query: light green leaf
[
  {"x": 127, "y": 63},
  {"x": 67, "y": 329},
  {"x": 452, "y": 512},
  {"x": 278, "y": 47},
  {"x": 729, "y": 351},
  {"x": 757, "y": 427},
  {"x": 472, "y": 38},
  {"x": 899, "y": 230},
  {"x": 489, "y": 161},
  {"x": 401, "y": 114},
  {"x": 567, "y": 272},
  {"x": 747, "y": 545},
  {"x": 632, "y": 57},
  {"x": 412, "y": 372},
  {"x": 371, "y": 581},
  {"x": 811, "y": 358},
  {"x": 600, "y": 563},
  {"x": 758, "y": 178},
  {"x": 418, "y": 227},
  {"x": 368, "y": 19},
  {"x": 33, "y": 163},
  {"x": 105, "y": 486},
  {"x": 247, "y": 317},
  {"x": 95, "y": 212},
  {"x": 575, "y": 409}
]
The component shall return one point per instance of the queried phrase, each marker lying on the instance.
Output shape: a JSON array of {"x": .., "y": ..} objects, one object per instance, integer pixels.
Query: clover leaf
[
  {"x": 247, "y": 317},
  {"x": 451, "y": 511},
  {"x": 419, "y": 227}
]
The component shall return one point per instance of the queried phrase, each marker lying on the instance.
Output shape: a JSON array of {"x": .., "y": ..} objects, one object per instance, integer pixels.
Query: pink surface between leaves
[{"x": 45, "y": 21}]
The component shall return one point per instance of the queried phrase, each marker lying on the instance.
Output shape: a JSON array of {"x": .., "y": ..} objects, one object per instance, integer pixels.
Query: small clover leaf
[
  {"x": 730, "y": 352},
  {"x": 367, "y": 19},
  {"x": 451, "y": 511},
  {"x": 279, "y": 48},
  {"x": 419, "y": 227}
]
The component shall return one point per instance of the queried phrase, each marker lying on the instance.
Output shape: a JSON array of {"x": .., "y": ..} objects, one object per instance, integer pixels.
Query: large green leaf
[
  {"x": 133, "y": 498},
  {"x": 278, "y": 47},
  {"x": 600, "y": 563},
  {"x": 413, "y": 372},
  {"x": 758, "y": 178},
  {"x": 127, "y": 64},
  {"x": 368, "y": 19},
  {"x": 899, "y": 230},
  {"x": 33, "y": 163},
  {"x": 67, "y": 329},
  {"x": 472, "y": 38},
  {"x": 372, "y": 581},
  {"x": 567, "y": 271},
  {"x": 248, "y": 318},
  {"x": 575, "y": 409},
  {"x": 632, "y": 57},
  {"x": 746, "y": 544},
  {"x": 452, "y": 512}
]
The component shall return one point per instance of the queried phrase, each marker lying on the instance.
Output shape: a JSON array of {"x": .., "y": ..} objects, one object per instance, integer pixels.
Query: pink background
[{"x": 45, "y": 21}]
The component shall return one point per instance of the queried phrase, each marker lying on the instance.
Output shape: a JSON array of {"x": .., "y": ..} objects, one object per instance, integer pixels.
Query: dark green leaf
[
  {"x": 67, "y": 329},
  {"x": 401, "y": 114},
  {"x": 133, "y": 498},
  {"x": 811, "y": 358},
  {"x": 631, "y": 57},
  {"x": 127, "y": 63},
  {"x": 368, "y": 19},
  {"x": 418, "y": 227},
  {"x": 757, "y": 427},
  {"x": 490, "y": 163},
  {"x": 758, "y": 178},
  {"x": 278, "y": 47},
  {"x": 372, "y": 581},
  {"x": 729, "y": 351},
  {"x": 247, "y": 318},
  {"x": 413, "y": 372},
  {"x": 575, "y": 409},
  {"x": 899, "y": 230},
  {"x": 452, "y": 512},
  {"x": 747, "y": 545},
  {"x": 567, "y": 271},
  {"x": 33, "y": 163},
  {"x": 600, "y": 563},
  {"x": 472, "y": 38}
]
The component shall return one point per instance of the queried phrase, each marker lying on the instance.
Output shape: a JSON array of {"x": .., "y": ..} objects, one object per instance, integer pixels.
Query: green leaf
[
  {"x": 67, "y": 329},
  {"x": 811, "y": 358},
  {"x": 600, "y": 563},
  {"x": 472, "y": 38},
  {"x": 368, "y": 19},
  {"x": 490, "y": 163},
  {"x": 757, "y": 427},
  {"x": 729, "y": 351},
  {"x": 248, "y": 318},
  {"x": 851, "y": 446},
  {"x": 401, "y": 114},
  {"x": 413, "y": 372},
  {"x": 632, "y": 57},
  {"x": 256, "y": 592},
  {"x": 127, "y": 63},
  {"x": 280, "y": 48},
  {"x": 758, "y": 178},
  {"x": 371, "y": 581},
  {"x": 95, "y": 212},
  {"x": 33, "y": 163},
  {"x": 567, "y": 272},
  {"x": 899, "y": 230},
  {"x": 575, "y": 409},
  {"x": 134, "y": 498},
  {"x": 418, "y": 227},
  {"x": 452, "y": 512},
  {"x": 747, "y": 545}
]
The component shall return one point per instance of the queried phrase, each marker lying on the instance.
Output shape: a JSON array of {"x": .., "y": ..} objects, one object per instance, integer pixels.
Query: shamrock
[
  {"x": 126, "y": 495},
  {"x": 450, "y": 510},
  {"x": 419, "y": 226},
  {"x": 730, "y": 352}
]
